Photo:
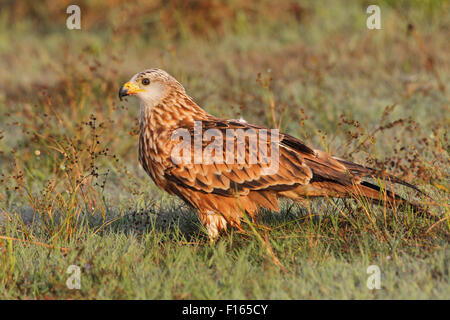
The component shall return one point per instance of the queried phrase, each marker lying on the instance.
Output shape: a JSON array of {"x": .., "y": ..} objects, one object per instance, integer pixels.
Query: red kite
[{"x": 229, "y": 182}]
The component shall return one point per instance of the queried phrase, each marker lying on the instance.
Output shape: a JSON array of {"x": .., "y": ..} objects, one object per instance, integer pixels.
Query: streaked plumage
[{"x": 221, "y": 193}]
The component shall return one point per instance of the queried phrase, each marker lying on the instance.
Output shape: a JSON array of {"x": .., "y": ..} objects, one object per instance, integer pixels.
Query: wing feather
[{"x": 241, "y": 178}]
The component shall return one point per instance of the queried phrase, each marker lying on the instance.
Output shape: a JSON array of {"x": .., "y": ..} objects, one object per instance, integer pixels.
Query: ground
[{"x": 72, "y": 191}]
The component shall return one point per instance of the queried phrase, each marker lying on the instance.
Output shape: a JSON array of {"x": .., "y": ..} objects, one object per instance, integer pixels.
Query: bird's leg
[
  {"x": 212, "y": 240},
  {"x": 213, "y": 231}
]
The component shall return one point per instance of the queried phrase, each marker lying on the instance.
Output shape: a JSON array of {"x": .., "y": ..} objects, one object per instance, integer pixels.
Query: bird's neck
[
  {"x": 175, "y": 107},
  {"x": 157, "y": 124}
]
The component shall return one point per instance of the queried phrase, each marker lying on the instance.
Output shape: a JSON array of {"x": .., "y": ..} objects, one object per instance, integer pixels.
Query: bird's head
[{"x": 150, "y": 86}]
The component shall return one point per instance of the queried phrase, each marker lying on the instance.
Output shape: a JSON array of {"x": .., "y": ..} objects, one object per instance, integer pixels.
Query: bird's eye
[{"x": 145, "y": 82}]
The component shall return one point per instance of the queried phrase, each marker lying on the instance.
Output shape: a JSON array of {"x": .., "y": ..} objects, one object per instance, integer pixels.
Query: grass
[
  {"x": 144, "y": 258},
  {"x": 72, "y": 192}
]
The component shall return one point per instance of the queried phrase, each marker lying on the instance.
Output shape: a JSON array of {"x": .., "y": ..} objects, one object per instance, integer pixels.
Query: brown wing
[{"x": 243, "y": 174}]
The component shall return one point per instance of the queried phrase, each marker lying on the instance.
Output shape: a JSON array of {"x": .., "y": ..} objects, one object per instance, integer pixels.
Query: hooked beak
[{"x": 128, "y": 89}]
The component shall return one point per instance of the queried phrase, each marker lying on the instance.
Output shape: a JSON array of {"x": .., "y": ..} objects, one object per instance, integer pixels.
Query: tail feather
[
  {"x": 338, "y": 177},
  {"x": 375, "y": 192}
]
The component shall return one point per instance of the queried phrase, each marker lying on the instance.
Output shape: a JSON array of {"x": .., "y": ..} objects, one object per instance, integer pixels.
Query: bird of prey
[{"x": 220, "y": 188}]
